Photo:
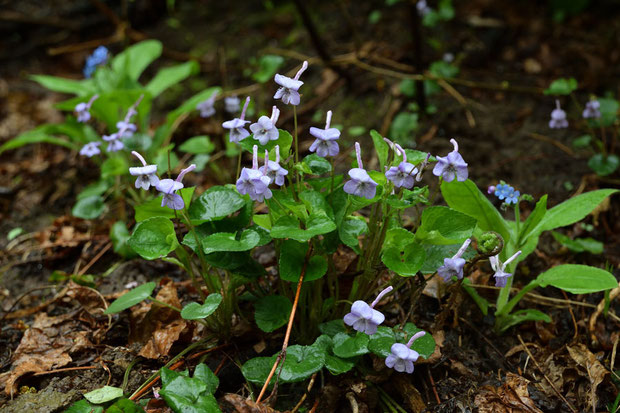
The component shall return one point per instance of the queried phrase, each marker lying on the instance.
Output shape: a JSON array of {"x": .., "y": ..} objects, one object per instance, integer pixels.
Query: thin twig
[
  {"x": 282, "y": 355},
  {"x": 570, "y": 406},
  {"x": 430, "y": 376},
  {"x": 303, "y": 398},
  {"x": 95, "y": 258},
  {"x": 42, "y": 373}
]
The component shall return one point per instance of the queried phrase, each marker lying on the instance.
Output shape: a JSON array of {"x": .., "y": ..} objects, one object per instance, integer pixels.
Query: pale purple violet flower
[
  {"x": 451, "y": 166},
  {"x": 146, "y": 173},
  {"x": 253, "y": 182},
  {"x": 501, "y": 277},
  {"x": 454, "y": 266},
  {"x": 273, "y": 170},
  {"x": 115, "y": 143},
  {"x": 82, "y": 110},
  {"x": 423, "y": 8},
  {"x": 265, "y": 129},
  {"x": 361, "y": 184},
  {"x": 325, "y": 143},
  {"x": 168, "y": 188},
  {"x": 289, "y": 88},
  {"x": 236, "y": 126},
  {"x": 592, "y": 110},
  {"x": 231, "y": 104},
  {"x": 402, "y": 357},
  {"x": 206, "y": 106},
  {"x": 558, "y": 117},
  {"x": 491, "y": 189},
  {"x": 90, "y": 149},
  {"x": 403, "y": 174},
  {"x": 363, "y": 317}
]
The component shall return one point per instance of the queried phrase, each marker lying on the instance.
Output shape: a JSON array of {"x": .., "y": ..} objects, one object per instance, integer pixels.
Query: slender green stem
[
  {"x": 506, "y": 309},
  {"x": 126, "y": 375},
  {"x": 296, "y": 139},
  {"x": 517, "y": 219},
  {"x": 239, "y": 163},
  {"x": 331, "y": 191},
  {"x": 155, "y": 300},
  {"x": 201, "y": 255}
]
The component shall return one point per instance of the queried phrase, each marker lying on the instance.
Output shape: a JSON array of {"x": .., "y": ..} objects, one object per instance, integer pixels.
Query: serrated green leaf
[
  {"x": 288, "y": 227},
  {"x": 227, "y": 241},
  {"x": 346, "y": 346}
]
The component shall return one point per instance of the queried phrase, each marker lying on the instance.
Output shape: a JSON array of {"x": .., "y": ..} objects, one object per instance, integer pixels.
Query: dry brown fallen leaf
[
  {"x": 595, "y": 371},
  {"x": 511, "y": 397},
  {"x": 157, "y": 327},
  {"x": 47, "y": 344},
  {"x": 243, "y": 405}
]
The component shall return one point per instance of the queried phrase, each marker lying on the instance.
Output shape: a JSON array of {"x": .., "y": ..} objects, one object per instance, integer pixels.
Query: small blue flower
[
  {"x": 452, "y": 166},
  {"x": 99, "y": 57},
  {"x": 363, "y": 317},
  {"x": 453, "y": 267},
  {"x": 502, "y": 191},
  {"x": 402, "y": 357},
  {"x": 361, "y": 184},
  {"x": 289, "y": 88},
  {"x": 513, "y": 197}
]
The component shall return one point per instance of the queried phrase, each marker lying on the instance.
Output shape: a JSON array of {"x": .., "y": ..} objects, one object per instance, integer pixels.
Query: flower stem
[{"x": 296, "y": 139}]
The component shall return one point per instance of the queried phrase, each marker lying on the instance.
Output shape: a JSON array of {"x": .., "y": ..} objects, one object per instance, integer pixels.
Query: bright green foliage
[
  {"x": 272, "y": 312},
  {"x": 154, "y": 238},
  {"x": 561, "y": 86},
  {"x": 131, "y": 298},
  {"x": 185, "y": 394},
  {"x": 104, "y": 394},
  {"x": 195, "y": 311}
]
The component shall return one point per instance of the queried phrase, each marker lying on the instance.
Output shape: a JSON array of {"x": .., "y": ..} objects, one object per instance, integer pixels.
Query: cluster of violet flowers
[
  {"x": 99, "y": 57},
  {"x": 365, "y": 319},
  {"x": 558, "y": 119},
  {"x": 147, "y": 177},
  {"x": 125, "y": 128}
]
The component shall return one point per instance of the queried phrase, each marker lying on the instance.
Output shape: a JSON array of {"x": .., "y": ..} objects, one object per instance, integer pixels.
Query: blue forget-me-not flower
[{"x": 98, "y": 57}]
